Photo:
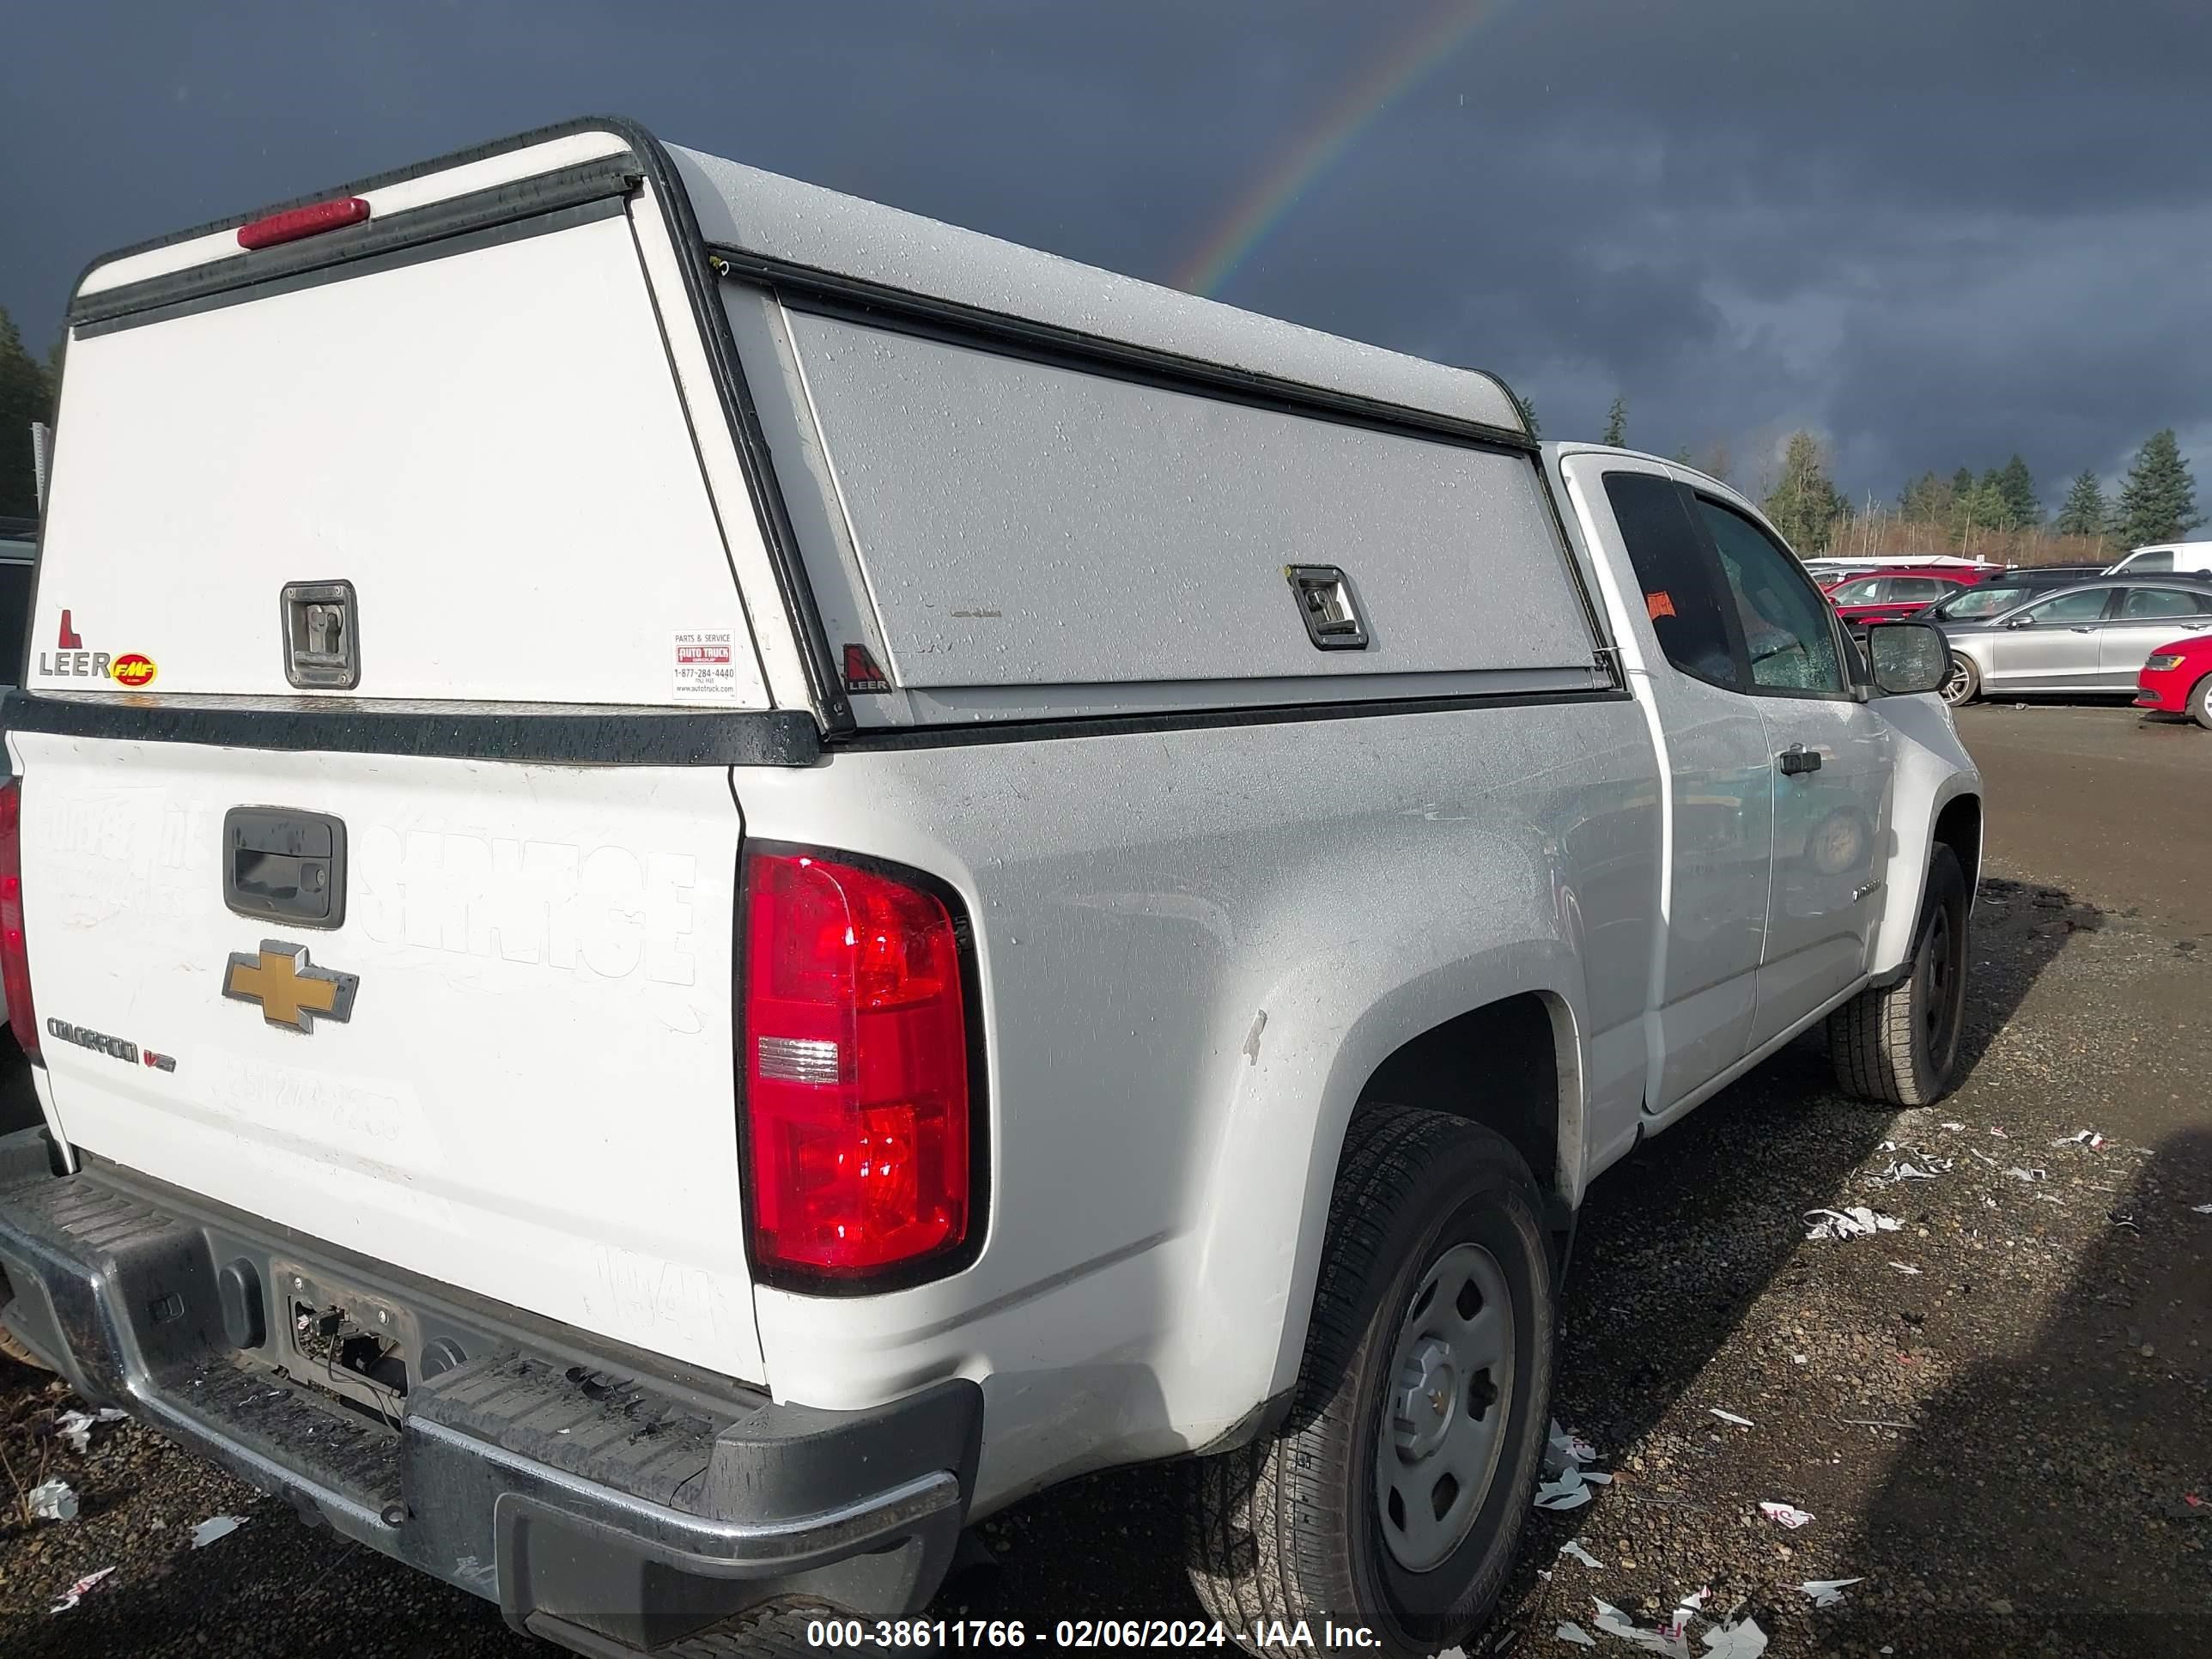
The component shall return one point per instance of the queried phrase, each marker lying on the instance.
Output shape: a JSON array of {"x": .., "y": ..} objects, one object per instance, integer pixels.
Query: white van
[{"x": 2167, "y": 558}]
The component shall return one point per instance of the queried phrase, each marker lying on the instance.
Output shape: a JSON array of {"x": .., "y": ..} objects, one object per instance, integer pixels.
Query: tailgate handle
[{"x": 283, "y": 864}]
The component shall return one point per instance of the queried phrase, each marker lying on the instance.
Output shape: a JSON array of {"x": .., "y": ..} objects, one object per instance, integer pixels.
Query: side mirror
[
  {"x": 1906, "y": 657},
  {"x": 2021, "y": 622}
]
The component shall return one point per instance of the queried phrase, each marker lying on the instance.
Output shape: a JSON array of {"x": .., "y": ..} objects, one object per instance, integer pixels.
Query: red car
[
  {"x": 2177, "y": 679},
  {"x": 1893, "y": 595}
]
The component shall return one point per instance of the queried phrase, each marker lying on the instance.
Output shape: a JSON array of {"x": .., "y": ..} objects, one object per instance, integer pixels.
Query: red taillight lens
[
  {"x": 855, "y": 1068},
  {"x": 15, "y": 956},
  {"x": 292, "y": 223}
]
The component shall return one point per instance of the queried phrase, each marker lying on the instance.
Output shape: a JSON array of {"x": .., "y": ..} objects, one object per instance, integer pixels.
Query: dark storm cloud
[{"x": 1936, "y": 233}]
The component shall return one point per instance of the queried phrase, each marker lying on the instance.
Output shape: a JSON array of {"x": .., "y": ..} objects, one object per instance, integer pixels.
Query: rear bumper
[{"x": 606, "y": 1500}]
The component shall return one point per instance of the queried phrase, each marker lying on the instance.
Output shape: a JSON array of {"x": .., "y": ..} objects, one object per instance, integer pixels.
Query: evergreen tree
[
  {"x": 1527, "y": 412},
  {"x": 1927, "y": 500},
  {"x": 1962, "y": 482},
  {"x": 1806, "y": 505},
  {"x": 25, "y": 396},
  {"x": 2082, "y": 513},
  {"x": 1616, "y": 422},
  {"x": 2158, "y": 502},
  {"x": 2017, "y": 485}
]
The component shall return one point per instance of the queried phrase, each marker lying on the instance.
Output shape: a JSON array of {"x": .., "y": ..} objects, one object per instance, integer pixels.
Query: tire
[
  {"x": 2200, "y": 702},
  {"x": 1300, "y": 1525},
  {"x": 12, "y": 1349},
  {"x": 1964, "y": 684},
  {"x": 1899, "y": 1045}
]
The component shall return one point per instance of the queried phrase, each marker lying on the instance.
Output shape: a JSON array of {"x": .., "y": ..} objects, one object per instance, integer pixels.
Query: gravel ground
[{"x": 2001, "y": 1446}]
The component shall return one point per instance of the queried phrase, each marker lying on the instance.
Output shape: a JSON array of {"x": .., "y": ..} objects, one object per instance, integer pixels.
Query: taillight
[
  {"x": 294, "y": 223},
  {"x": 15, "y": 955},
  {"x": 856, "y": 1069}
]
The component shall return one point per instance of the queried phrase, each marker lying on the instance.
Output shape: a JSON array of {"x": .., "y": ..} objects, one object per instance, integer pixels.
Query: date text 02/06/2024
[{"x": 1298, "y": 1635}]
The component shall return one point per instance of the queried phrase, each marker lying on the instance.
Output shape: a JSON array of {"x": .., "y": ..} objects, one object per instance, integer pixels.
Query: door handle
[
  {"x": 1797, "y": 759},
  {"x": 2083, "y": 629}
]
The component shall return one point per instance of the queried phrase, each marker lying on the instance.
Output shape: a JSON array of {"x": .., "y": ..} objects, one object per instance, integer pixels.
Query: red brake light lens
[
  {"x": 294, "y": 223},
  {"x": 855, "y": 1068},
  {"x": 15, "y": 955}
]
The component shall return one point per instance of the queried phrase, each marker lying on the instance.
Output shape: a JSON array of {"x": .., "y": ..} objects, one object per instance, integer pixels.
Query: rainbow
[{"x": 1387, "y": 78}]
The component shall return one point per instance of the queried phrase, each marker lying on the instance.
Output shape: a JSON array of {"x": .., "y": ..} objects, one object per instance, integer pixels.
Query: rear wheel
[
  {"x": 2200, "y": 702},
  {"x": 1964, "y": 683},
  {"x": 1394, "y": 1495},
  {"x": 1899, "y": 1044}
]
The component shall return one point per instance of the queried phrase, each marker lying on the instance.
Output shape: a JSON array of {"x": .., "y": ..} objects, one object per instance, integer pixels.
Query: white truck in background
[{"x": 1096, "y": 888}]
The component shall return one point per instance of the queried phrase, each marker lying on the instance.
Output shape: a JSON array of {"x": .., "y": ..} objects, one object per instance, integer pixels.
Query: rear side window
[
  {"x": 2084, "y": 605},
  {"x": 1681, "y": 591},
  {"x": 1788, "y": 631},
  {"x": 15, "y": 620},
  {"x": 1865, "y": 591},
  {"x": 2151, "y": 563},
  {"x": 1984, "y": 601},
  {"x": 1910, "y": 590},
  {"x": 2149, "y": 602}
]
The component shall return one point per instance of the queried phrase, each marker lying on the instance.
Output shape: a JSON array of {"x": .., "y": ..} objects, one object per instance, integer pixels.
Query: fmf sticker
[
  {"x": 68, "y": 659},
  {"x": 706, "y": 666}
]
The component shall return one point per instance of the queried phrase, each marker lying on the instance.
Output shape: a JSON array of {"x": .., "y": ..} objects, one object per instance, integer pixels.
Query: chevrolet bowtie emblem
[{"x": 291, "y": 993}]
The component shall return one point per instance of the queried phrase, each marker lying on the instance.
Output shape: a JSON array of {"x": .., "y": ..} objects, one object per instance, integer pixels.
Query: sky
[{"x": 1933, "y": 232}]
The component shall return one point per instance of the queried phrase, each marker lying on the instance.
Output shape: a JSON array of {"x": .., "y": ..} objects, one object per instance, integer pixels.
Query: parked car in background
[
  {"x": 1896, "y": 597},
  {"x": 2092, "y": 638},
  {"x": 2176, "y": 679},
  {"x": 2179, "y": 558},
  {"x": 2007, "y": 591}
]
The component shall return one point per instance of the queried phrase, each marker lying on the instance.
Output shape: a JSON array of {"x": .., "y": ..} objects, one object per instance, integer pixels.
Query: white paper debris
[
  {"x": 2201, "y": 1209},
  {"x": 1905, "y": 1267},
  {"x": 1791, "y": 1518},
  {"x": 1828, "y": 1592},
  {"x": 1743, "y": 1641},
  {"x": 215, "y": 1527},
  {"x": 1574, "y": 1634},
  {"x": 76, "y": 1427},
  {"x": 1998, "y": 1132},
  {"x": 2029, "y": 1175},
  {"x": 1985, "y": 1157},
  {"x": 2088, "y": 1138},
  {"x": 1613, "y": 1622},
  {"x": 53, "y": 1500},
  {"x": 1567, "y": 1492},
  {"x": 1573, "y": 1548},
  {"x": 1563, "y": 1447},
  {"x": 1954, "y": 1128},
  {"x": 1730, "y": 1417},
  {"x": 77, "y": 1592},
  {"x": 1851, "y": 1223},
  {"x": 1689, "y": 1608}
]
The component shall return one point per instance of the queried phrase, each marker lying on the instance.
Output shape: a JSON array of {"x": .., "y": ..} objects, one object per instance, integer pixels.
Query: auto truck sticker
[{"x": 706, "y": 666}]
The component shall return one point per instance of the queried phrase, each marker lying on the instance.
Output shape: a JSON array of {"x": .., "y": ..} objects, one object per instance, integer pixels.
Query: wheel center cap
[{"x": 1427, "y": 1394}]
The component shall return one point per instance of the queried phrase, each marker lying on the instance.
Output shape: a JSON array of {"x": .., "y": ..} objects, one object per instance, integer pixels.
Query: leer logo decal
[
  {"x": 291, "y": 993},
  {"x": 69, "y": 659},
  {"x": 132, "y": 670}
]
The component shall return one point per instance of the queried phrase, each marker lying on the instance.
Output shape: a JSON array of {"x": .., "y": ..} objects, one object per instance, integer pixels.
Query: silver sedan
[{"x": 2086, "y": 639}]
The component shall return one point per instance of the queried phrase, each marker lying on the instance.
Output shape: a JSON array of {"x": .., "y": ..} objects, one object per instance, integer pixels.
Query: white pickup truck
[{"x": 704, "y": 878}]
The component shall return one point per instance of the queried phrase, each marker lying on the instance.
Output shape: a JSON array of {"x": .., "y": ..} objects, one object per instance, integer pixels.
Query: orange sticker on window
[{"x": 1659, "y": 604}]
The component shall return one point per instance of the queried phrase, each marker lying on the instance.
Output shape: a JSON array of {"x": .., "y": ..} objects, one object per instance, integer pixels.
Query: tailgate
[{"x": 530, "y": 1095}]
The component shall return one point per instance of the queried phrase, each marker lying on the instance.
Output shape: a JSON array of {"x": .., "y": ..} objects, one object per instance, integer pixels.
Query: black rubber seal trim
[
  {"x": 836, "y": 295},
  {"x": 610, "y": 176},
  {"x": 1200, "y": 720},
  {"x": 548, "y": 734}
]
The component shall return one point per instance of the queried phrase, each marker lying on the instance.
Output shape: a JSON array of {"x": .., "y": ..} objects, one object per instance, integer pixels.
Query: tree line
[
  {"x": 1998, "y": 513},
  {"x": 27, "y": 394}
]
